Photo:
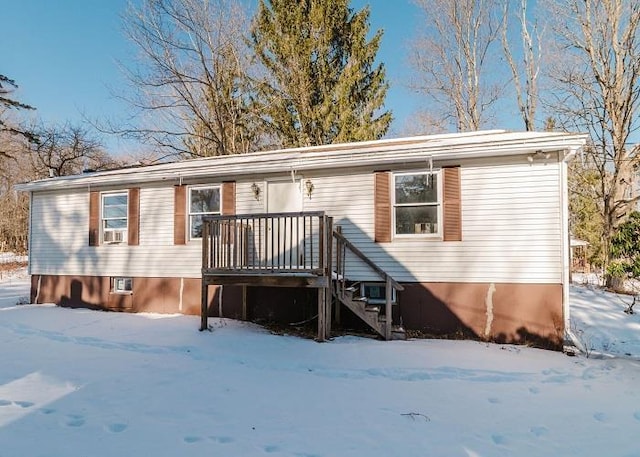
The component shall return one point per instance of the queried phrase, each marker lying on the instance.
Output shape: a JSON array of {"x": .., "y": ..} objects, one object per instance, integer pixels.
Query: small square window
[
  {"x": 376, "y": 292},
  {"x": 121, "y": 285}
]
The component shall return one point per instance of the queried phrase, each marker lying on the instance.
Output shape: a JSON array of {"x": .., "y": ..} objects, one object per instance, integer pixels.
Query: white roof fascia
[{"x": 379, "y": 153}]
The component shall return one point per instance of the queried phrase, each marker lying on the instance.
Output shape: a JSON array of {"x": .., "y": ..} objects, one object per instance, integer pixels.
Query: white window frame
[
  {"x": 437, "y": 204},
  {"x": 377, "y": 301},
  {"x": 210, "y": 213},
  {"x": 103, "y": 231},
  {"x": 122, "y": 285}
]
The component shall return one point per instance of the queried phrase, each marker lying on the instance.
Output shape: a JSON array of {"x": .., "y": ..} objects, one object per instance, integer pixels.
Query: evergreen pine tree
[
  {"x": 321, "y": 85},
  {"x": 6, "y": 87}
]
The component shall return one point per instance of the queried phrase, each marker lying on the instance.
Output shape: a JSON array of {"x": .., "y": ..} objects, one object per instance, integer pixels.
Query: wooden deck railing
[
  {"x": 266, "y": 243},
  {"x": 287, "y": 250},
  {"x": 342, "y": 245}
]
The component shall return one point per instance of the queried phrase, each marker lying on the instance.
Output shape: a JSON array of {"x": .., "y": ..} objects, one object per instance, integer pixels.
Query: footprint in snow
[
  {"x": 499, "y": 439},
  {"x": 271, "y": 448},
  {"x": 75, "y": 420},
  {"x": 47, "y": 411},
  {"x": 192, "y": 439},
  {"x": 117, "y": 427},
  {"x": 600, "y": 417},
  {"x": 21, "y": 404},
  {"x": 539, "y": 431},
  {"x": 221, "y": 439},
  {"x": 534, "y": 390},
  {"x": 494, "y": 400},
  {"x": 636, "y": 415},
  {"x": 24, "y": 404}
]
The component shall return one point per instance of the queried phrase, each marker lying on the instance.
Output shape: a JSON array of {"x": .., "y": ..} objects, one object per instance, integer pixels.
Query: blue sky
[{"x": 64, "y": 55}]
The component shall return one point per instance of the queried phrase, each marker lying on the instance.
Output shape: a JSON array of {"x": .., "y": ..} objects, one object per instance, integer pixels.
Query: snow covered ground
[
  {"x": 8, "y": 263},
  {"x": 88, "y": 383},
  {"x": 10, "y": 257},
  {"x": 600, "y": 324}
]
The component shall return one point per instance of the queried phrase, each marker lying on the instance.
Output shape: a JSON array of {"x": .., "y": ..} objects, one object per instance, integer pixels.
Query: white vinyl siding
[
  {"x": 60, "y": 239},
  {"x": 156, "y": 216},
  {"x": 59, "y": 230},
  {"x": 511, "y": 230}
]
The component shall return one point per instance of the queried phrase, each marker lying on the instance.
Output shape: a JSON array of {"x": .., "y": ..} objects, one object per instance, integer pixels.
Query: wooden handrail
[
  {"x": 264, "y": 215},
  {"x": 396, "y": 285},
  {"x": 267, "y": 243}
]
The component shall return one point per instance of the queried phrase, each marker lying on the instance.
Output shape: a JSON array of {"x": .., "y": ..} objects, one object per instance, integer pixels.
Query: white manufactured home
[{"x": 457, "y": 233}]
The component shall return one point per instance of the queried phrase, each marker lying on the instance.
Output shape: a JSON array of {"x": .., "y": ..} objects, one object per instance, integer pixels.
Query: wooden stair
[{"x": 368, "y": 313}]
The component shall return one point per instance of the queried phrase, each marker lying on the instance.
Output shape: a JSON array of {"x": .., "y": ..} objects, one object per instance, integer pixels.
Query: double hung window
[
  {"x": 203, "y": 201},
  {"x": 417, "y": 203},
  {"x": 114, "y": 217}
]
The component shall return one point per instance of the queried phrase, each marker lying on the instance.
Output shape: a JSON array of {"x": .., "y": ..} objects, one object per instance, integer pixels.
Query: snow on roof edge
[{"x": 485, "y": 143}]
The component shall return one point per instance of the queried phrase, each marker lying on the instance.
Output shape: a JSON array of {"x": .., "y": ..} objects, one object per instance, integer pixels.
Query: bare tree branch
[
  {"x": 192, "y": 78},
  {"x": 453, "y": 57},
  {"x": 596, "y": 89},
  {"x": 525, "y": 74}
]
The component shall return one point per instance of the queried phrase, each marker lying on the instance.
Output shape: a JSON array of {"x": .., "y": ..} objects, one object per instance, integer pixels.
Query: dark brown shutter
[
  {"x": 451, "y": 206},
  {"x": 179, "y": 215},
  {"x": 228, "y": 198},
  {"x": 382, "y": 206},
  {"x": 134, "y": 216},
  {"x": 94, "y": 218}
]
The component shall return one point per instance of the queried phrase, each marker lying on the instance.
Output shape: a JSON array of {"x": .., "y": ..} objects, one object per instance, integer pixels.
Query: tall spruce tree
[{"x": 320, "y": 84}]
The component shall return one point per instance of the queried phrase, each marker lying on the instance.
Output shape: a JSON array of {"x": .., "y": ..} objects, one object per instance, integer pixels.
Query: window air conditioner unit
[{"x": 114, "y": 236}]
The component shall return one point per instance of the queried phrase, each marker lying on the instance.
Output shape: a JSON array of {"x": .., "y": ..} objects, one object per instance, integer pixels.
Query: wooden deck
[
  {"x": 269, "y": 249},
  {"x": 290, "y": 250}
]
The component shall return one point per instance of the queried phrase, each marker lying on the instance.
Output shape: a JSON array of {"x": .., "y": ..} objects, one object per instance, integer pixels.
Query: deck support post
[
  {"x": 204, "y": 306},
  {"x": 244, "y": 303},
  {"x": 339, "y": 273},
  {"x": 329, "y": 273},
  {"x": 388, "y": 309},
  {"x": 322, "y": 308},
  {"x": 327, "y": 307}
]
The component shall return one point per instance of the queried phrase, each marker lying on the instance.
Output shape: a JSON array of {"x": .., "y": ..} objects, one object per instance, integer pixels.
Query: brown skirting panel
[
  {"x": 158, "y": 295},
  {"x": 502, "y": 312}
]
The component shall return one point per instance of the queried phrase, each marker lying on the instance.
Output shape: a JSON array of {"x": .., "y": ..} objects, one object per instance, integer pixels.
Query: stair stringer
[{"x": 371, "y": 317}]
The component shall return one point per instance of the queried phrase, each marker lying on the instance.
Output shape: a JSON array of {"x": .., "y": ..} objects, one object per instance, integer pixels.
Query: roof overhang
[{"x": 378, "y": 154}]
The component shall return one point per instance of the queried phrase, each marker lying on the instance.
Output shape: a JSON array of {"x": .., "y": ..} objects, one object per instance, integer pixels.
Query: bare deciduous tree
[
  {"x": 423, "y": 122},
  {"x": 66, "y": 150},
  {"x": 454, "y": 55},
  {"x": 597, "y": 89},
  {"x": 526, "y": 73},
  {"x": 191, "y": 77},
  {"x": 14, "y": 206}
]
